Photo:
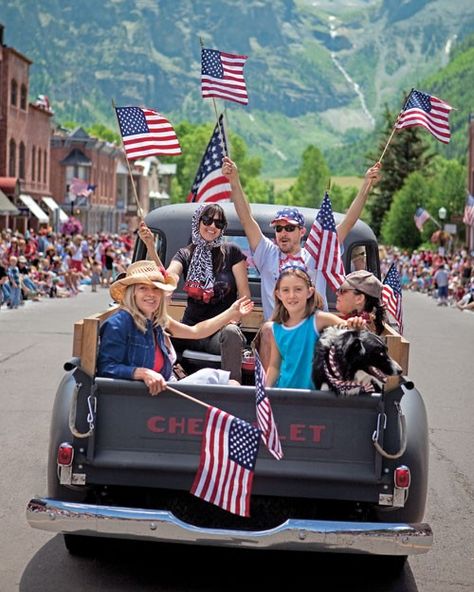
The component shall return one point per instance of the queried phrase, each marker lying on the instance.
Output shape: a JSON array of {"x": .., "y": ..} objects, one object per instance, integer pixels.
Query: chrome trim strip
[{"x": 306, "y": 535}]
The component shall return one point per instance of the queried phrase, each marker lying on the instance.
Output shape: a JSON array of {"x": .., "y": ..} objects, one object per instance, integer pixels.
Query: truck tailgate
[{"x": 156, "y": 441}]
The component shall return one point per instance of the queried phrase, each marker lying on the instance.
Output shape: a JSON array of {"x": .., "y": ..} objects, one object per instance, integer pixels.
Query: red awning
[{"x": 10, "y": 185}]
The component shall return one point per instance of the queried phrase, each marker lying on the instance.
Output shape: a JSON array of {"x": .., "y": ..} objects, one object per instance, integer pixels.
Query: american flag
[
  {"x": 469, "y": 211},
  {"x": 222, "y": 76},
  {"x": 146, "y": 132},
  {"x": 209, "y": 183},
  {"x": 323, "y": 245},
  {"x": 228, "y": 456},
  {"x": 265, "y": 419},
  {"x": 420, "y": 217},
  {"x": 80, "y": 187},
  {"x": 427, "y": 111},
  {"x": 392, "y": 296}
]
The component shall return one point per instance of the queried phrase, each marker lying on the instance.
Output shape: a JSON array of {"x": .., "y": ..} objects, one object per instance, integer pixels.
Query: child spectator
[{"x": 14, "y": 279}]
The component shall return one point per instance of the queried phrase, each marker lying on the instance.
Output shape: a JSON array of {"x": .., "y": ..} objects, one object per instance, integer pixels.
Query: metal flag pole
[
  {"x": 394, "y": 129},
  {"x": 135, "y": 194}
]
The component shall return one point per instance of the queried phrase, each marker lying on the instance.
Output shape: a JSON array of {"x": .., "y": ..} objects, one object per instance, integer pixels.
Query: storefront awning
[
  {"x": 6, "y": 206},
  {"x": 34, "y": 208},
  {"x": 53, "y": 206}
]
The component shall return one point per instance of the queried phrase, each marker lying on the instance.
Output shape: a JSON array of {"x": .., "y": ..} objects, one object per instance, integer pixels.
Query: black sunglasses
[
  {"x": 287, "y": 228},
  {"x": 207, "y": 221}
]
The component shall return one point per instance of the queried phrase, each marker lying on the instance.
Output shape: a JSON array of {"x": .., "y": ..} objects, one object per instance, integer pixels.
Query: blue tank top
[{"x": 296, "y": 347}]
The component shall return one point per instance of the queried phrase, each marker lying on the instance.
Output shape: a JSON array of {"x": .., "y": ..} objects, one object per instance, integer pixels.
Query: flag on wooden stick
[
  {"x": 222, "y": 76},
  {"x": 323, "y": 245},
  {"x": 426, "y": 111},
  {"x": 228, "y": 455},
  {"x": 265, "y": 419},
  {"x": 209, "y": 183},
  {"x": 392, "y": 295},
  {"x": 146, "y": 132}
]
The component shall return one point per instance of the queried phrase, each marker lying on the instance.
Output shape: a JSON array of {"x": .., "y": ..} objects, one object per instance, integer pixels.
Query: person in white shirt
[{"x": 289, "y": 227}]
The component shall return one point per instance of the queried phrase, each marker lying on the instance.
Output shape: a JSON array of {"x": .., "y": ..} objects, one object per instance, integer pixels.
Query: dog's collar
[{"x": 335, "y": 379}]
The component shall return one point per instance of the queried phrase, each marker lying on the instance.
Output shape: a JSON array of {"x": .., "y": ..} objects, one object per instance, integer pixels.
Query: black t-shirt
[
  {"x": 3, "y": 272},
  {"x": 225, "y": 287}
]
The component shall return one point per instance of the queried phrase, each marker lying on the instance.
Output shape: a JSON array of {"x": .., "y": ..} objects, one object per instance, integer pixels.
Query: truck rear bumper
[{"x": 305, "y": 535}]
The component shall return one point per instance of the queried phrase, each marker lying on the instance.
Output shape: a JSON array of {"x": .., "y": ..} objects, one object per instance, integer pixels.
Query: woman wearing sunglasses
[{"x": 214, "y": 272}]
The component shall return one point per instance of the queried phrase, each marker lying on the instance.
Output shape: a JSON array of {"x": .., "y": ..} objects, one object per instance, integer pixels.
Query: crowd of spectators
[
  {"x": 448, "y": 278},
  {"x": 46, "y": 264}
]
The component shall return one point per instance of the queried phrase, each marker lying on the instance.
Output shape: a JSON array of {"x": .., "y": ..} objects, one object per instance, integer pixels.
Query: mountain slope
[{"x": 317, "y": 72}]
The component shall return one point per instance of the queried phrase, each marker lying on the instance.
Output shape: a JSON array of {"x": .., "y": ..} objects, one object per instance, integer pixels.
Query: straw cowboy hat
[{"x": 142, "y": 272}]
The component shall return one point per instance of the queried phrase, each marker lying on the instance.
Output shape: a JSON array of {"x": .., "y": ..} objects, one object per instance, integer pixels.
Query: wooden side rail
[
  {"x": 398, "y": 349},
  {"x": 86, "y": 339}
]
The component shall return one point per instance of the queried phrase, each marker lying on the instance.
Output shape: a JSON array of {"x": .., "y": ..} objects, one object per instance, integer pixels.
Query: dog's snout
[{"x": 396, "y": 369}]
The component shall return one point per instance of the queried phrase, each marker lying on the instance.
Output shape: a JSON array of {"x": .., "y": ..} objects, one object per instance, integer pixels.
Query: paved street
[{"x": 36, "y": 340}]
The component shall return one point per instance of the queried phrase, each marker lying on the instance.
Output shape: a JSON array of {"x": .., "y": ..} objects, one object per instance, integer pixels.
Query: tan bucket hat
[
  {"x": 365, "y": 282},
  {"x": 142, "y": 272}
]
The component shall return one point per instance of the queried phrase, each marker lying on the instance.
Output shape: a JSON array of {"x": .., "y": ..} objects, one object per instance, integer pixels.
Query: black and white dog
[{"x": 351, "y": 362}]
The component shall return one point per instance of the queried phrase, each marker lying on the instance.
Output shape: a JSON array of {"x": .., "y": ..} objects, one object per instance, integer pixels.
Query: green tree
[
  {"x": 398, "y": 227},
  {"x": 102, "y": 132},
  {"x": 407, "y": 152},
  {"x": 312, "y": 180}
]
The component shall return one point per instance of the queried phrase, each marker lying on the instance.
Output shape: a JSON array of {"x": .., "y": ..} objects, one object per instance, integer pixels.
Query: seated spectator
[
  {"x": 215, "y": 274},
  {"x": 359, "y": 296},
  {"x": 135, "y": 342}
]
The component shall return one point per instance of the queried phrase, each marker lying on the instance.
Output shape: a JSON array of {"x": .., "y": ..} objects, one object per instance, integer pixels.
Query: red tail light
[
  {"x": 402, "y": 477},
  {"x": 65, "y": 454}
]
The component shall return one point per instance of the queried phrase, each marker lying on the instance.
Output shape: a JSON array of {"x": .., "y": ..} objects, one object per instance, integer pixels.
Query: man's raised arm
[
  {"x": 356, "y": 207},
  {"x": 241, "y": 204}
]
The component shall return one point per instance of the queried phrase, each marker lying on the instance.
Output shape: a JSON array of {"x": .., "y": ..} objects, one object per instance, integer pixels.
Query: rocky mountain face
[{"x": 318, "y": 71}]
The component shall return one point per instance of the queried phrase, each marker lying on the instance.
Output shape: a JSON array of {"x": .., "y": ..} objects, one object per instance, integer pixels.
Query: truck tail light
[
  {"x": 402, "y": 477},
  {"x": 65, "y": 454}
]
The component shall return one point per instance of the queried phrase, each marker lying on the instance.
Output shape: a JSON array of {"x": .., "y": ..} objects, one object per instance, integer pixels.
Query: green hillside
[{"x": 318, "y": 72}]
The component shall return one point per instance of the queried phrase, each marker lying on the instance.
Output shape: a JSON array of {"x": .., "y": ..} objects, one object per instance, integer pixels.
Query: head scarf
[{"x": 200, "y": 278}]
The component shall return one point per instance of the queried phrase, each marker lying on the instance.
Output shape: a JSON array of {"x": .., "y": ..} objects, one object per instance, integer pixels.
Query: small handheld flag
[
  {"x": 222, "y": 76},
  {"x": 426, "y": 111}
]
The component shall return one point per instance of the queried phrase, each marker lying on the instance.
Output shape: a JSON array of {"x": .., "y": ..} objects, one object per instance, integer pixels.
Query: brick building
[{"x": 25, "y": 131}]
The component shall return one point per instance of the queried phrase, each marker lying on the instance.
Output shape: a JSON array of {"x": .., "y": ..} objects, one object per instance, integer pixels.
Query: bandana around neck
[{"x": 200, "y": 278}]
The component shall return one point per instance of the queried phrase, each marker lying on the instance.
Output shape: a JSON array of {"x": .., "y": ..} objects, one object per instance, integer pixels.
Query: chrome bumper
[{"x": 304, "y": 535}]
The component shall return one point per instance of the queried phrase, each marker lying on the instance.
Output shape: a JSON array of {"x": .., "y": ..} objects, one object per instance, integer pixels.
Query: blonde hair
[
  {"x": 160, "y": 316},
  {"x": 280, "y": 314}
]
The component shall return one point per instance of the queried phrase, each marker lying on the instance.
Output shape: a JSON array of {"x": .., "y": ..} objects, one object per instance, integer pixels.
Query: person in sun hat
[
  {"x": 359, "y": 295},
  {"x": 135, "y": 341}
]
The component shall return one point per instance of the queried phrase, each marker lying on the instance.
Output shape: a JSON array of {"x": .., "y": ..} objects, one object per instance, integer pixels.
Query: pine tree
[{"x": 406, "y": 153}]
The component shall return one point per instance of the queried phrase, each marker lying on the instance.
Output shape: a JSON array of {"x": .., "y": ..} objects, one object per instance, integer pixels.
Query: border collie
[{"x": 351, "y": 362}]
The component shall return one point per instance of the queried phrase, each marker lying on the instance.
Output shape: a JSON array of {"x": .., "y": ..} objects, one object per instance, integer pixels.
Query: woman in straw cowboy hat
[{"x": 134, "y": 342}]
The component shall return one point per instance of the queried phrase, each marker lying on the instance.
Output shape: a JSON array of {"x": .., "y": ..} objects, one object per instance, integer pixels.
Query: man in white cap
[{"x": 269, "y": 256}]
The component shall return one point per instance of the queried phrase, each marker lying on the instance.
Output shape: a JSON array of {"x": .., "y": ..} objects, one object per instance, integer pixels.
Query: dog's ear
[{"x": 355, "y": 347}]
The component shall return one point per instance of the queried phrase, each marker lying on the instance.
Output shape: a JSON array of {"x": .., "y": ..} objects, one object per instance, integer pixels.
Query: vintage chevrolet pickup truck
[{"x": 121, "y": 463}]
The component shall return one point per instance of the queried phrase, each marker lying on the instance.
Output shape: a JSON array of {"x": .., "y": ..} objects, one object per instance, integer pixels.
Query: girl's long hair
[
  {"x": 280, "y": 314},
  {"x": 160, "y": 316},
  {"x": 214, "y": 210}
]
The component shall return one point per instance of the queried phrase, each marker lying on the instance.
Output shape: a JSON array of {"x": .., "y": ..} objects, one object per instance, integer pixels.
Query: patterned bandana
[{"x": 200, "y": 279}]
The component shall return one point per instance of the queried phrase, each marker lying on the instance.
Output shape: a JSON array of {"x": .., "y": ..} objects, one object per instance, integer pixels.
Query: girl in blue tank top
[{"x": 297, "y": 323}]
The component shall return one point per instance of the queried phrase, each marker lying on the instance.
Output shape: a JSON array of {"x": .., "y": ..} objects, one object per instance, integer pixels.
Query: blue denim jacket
[{"x": 123, "y": 348}]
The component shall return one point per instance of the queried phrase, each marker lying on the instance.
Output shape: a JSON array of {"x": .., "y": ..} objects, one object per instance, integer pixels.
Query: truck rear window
[{"x": 242, "y": 242}]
